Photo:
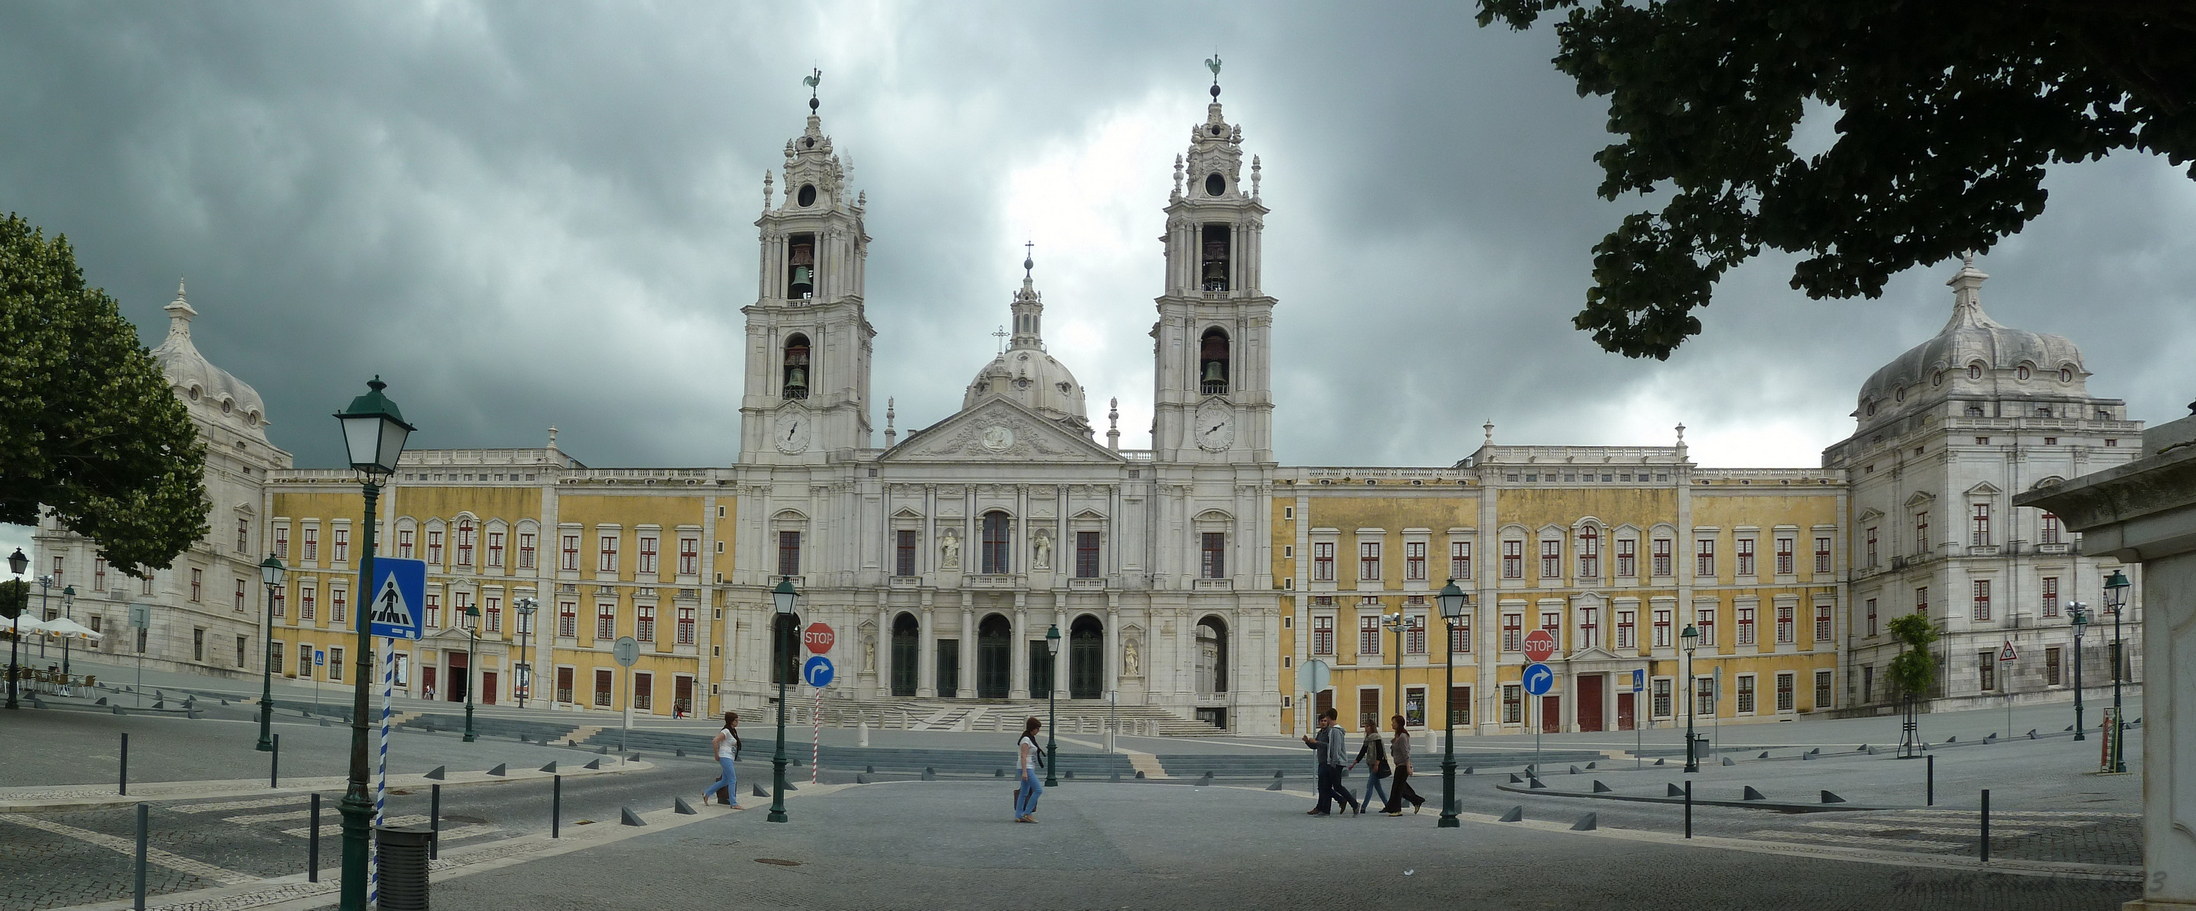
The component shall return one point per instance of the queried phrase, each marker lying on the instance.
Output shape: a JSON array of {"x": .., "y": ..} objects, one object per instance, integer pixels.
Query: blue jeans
[
  {"x": 1372, "y": 786},
  {"x": 1025, "y": 802},
  {"x": 729, "y": 780}
]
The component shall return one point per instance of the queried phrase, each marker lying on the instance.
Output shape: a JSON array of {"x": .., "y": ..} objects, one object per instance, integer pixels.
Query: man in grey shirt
[{"x": 1328, "y": 741}]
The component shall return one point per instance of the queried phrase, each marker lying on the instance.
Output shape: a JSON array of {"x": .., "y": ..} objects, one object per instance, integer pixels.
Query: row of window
[
  {"x": 1661, "y": 703},
  {"x": 1979, "y": 604},
  {"x": 2049, "y": 531},
  {"x": 1372, "y": 628},
  {"x": 465, "y": 544},
  {"x": 1586, "y": 551}
]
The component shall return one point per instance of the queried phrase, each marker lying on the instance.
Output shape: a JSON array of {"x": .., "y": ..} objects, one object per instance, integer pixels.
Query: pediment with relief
[{"x": 998, "y": 431}]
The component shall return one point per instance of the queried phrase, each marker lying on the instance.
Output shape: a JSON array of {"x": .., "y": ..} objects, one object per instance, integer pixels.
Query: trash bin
[{"x": 403, "y": 883}]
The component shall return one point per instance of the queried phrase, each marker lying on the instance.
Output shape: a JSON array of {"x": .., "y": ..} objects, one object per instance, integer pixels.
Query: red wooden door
[
  {"x": 1551, "y": 713},
  {"x": 488, "y": 687},
  {"x": 1589, "y": 701},
  {"x": 1627, "y": 717}
]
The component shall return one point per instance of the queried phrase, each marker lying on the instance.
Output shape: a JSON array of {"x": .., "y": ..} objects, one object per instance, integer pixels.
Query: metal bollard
[
  {"x": 125, "y": 764},
  {"x": 404, "y": 851},
  {"x": 142, "y": 831},
  {"x": 434, "y": 820},
  {"x": 556, "y": 805},
  {"x": 1688, "y": 809},
  {"x": 1930, "y": 797},
  {"x": 312, "y": 844},
  {"x": 1986, "y": 825},
  {"x": 274, "y": 763}
]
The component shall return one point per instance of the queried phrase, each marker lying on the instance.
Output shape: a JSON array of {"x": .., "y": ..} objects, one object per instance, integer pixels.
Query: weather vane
[
  {"x": 814, "y": 76},
  {"x": 1211, "y": 63},
  {"x": 1029, "y": 258}
]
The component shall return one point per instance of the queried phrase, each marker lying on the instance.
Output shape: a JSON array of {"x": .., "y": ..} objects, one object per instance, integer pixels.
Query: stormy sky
[{"x": 525, "y": 215}]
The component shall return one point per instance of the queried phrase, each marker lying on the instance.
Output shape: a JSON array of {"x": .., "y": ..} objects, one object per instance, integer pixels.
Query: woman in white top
[
  {"x": 1031, "y": 756},
  {"x": 727, "y": 746}
]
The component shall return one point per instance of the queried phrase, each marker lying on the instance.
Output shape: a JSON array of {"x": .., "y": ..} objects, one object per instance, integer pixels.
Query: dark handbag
[{"x": 1380, "y": 769}]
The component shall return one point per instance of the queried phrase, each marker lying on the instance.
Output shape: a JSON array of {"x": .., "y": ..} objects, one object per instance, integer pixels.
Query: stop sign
[
  {"x": 1539, "y": 644},
  {"x": 818, "y": 637}
]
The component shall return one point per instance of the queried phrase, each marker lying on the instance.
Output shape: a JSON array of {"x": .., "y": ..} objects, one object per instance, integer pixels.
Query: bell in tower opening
[
  {"x": 800, "y": 267},
  {"x": 1212, "y": 357},
  {"x": 796, "y": 367},
  {"x": 1214, "y": 273}
]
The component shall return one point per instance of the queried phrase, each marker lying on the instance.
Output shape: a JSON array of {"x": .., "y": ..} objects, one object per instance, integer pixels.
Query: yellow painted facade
[
  {"x": 1614, "y": 551},
  {"x": 603, "y": 555}
]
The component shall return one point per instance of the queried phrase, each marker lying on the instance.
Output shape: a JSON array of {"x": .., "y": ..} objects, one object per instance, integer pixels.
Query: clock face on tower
[
  {"x": 1215, "y": 428},
  {"x": 790, "y": 431}
]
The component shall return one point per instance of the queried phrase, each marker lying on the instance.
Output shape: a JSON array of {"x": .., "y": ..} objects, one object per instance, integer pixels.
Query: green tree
[
  {"x": 14, "y": 595},
  {"x": 1945, "y": 113},
  {"x": 89, "y": 431},
  {"x": 1914, "y": 670}
]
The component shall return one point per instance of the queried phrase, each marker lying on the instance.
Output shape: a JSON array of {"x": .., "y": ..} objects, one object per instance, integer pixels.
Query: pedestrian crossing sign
[
  {"x": 397, "y": 592},
  {"x": 2007, "y": 653}
]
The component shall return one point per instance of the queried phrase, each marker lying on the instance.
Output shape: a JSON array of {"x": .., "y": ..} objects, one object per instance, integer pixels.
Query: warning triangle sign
[
  {"x": 389, "y": 606},
  {"x": 2008, "y": 654}
]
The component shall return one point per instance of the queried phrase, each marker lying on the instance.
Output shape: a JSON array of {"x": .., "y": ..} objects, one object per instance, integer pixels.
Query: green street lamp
[
  {"x": 1692, "y": 638},
  {"x": 472, "y": 657},
  {"x": 270, "y": 575},
  {"x": 783, "y": 596},
  {"x": 526, "y": 608},
  {"x": 1454, "y": 601},
  {"x": 1395, "y": 622},
  {"x": 17, "y": 563},
  {"x": 2115, "y": 601},
  {"x": 68, "y": 609},
  {"x": 2078, "y": 614},
  {"x": 1052, "y": 701},
  {"x": 373, "y": 435}
]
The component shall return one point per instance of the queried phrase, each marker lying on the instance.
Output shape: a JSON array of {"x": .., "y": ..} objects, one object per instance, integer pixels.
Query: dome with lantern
[
  {"x": 1024, "y": 374},
  {"x": 210, "y": 393},
  {"x": 1974, "y": 355}
]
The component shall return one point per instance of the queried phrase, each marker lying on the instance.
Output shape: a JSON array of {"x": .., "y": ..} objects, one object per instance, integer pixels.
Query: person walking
[
  {"x": 1375, "y": 770},
  {"x": 1328, "y": 741},
  {"x": 1401, "y": 791},
  {"x": 727, "y": 746},
  {"x": 1030, "y": 757}
]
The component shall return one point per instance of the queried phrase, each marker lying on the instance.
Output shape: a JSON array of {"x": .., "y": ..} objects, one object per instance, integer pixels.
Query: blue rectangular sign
[
  {"x": 396, "y": 597},
  {"x": 1639, "y": 680}
]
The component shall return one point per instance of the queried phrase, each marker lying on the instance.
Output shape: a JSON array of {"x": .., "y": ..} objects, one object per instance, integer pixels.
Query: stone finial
[
  {"x": 1113, "y": 424},
  {"x": 1177, "y": 177},
  {"x": 1489, "y": 427},
  {"x": 552, "y": 438},
  {"x": 890, "y": 434},
  {"x": 1256, "y": 166},
  {"x": 769, "y": 190}
]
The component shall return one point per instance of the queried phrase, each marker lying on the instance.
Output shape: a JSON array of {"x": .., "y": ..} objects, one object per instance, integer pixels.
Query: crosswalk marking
[
  {"x": 128, "y": 847},
  {"x": 1894, "y": 828},
  {"x": 1917, "y": 844},
  {"x": 302, "y": 831},
  {"x": 225, "y": 805}
]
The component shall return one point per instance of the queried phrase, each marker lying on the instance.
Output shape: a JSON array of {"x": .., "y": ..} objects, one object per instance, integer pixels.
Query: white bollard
[{"x": 864, "y": 737}]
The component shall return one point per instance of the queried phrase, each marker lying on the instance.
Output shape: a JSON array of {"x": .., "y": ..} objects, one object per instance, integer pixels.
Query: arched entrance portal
[
  {"x": 994, "y": 657},
  {"x": 1212, "y": 656},
  {"x": 1086, "y": 658},
  {"x": 906, "y": 652}
]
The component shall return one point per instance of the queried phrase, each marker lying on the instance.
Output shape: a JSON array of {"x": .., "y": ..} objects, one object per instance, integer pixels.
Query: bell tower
[
  {"x": 1214, "y": 396},
  {"x": 809, "y": 341}
]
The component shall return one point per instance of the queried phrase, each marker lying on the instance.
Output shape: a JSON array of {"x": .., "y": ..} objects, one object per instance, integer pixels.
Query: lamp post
[
  {"x": 2078, "y": 614},
  {"x": 68, "y": 609},
  {"x": 783, "y": 596},
  {"x": 1052, "y": 703},
  {"x": 1692, "y": 638},
  {"x": 2116, "y": 602},
  {"x": 373, "y": 434},
  {"x": 1453, "y": 601},
  {"x": 472, "y": 658},
  {"x": 1394, "y": 622},
  {"x": 270, "y": 574},
  {"x": 526, "y": 630},
  {"x": 45, "y": 588},
  {"x": 17, "y": 563}
]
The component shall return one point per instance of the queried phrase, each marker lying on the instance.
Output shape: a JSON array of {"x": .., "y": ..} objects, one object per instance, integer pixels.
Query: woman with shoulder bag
[
  {"x": 1376, "y": 770},
  {"x": 1401, "y": 791},
  {"x": 1031, "y": 757}
]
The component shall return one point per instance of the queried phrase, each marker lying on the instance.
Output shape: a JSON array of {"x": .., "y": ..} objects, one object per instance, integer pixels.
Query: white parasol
[{"x": 65, "y": 628}]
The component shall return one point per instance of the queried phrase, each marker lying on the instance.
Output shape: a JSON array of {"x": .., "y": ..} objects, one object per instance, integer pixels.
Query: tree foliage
[
  {"x": 89, "y": 430},
  {"x": 1913, "y": 670},
  {"x": 1946, "y": 114},
  {"x": 14, "y": 598}
]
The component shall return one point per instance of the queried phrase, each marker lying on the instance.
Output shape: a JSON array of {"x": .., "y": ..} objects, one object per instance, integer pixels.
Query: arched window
[
  {"x": 796, "y": 367},
  {"x": 1212, "y": 362},
  {"x": 1974, "y": 371},
  {"x": 998, "y": 539}
]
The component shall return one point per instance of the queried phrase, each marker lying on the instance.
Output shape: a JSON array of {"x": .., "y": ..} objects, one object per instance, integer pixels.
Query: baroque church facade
[{"x": 1194, "y": 584}]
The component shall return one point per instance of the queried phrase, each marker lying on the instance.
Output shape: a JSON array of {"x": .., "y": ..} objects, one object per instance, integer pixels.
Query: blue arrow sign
[
  {"x": 1539, "y": 679},
  {"x": 817, "y": 671},
  {"x": 396, "y": 596}
]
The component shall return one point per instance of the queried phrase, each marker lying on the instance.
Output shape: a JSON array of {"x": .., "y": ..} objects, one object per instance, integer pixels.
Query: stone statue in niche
[
  {"x": 1128, "y": 658},
  {"x": 1044, "y": 550},
  {"x": 949, "y": 550},
  {"x": 869, "y": 653}
]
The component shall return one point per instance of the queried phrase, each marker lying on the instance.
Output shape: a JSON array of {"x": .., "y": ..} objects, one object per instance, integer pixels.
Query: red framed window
[
  {"x": 308, "y": 602},
  {"x": 2048, "y": 531},
  {"x": 491, "y": 609},
  {"x": 1921, "y": 600},
  {"x": 404, "y": 543},
  {"x": 606, "y": 621},
  {"x": 243, "y": 536},
  {"x": 1322, "y": 635},
  {"x": 1589, "y": 553},
  {"x": 312, "y": 543},
  {"x": 690, "y": 556},
  {"x": 1322, "y": 561},
  {"x": 567, "y": 619},
  {"x": 1921, "y": 532},
  {"x": 1982, "y": 525},
  {"x": 1822, "y": 555},
  {"x": 1982, "y": 600},
  {"x": 339, "y": 604},
  {"x": 1414, "y": 561},
  {"x": 644, "y": 623},
  {"x": 1551, "y": 559},
  {"x": 1086, "y": 554},
  {"x": 465, "y": 542},
  {"x": 198, "y": 584},
  {"x": 240, "y": 596},
  {"x": 1822, "y": 623},
  {"x": 1661, "y": 558},
  {"x": 495, "y": 549},
  {"x": 1787, "y": 628},
  {"x": 571, "y": 551},
  {"x": 903, "y": 551},
  {"x": 1625, "y": 629},
  {"x": 526, "y": 550},
  {"x": 434, "y": 546},
  {"x": 282, "y": 541},
  {"x": 686, "y": 626},
  {"x": 1662, "y": 629},
  {"x": 1704, "y": 553},
  {"x": 1513, "y": 632},
  {"x": 1414, "y": 634},
  {"x": 1513, "y": 559},
  {"x": 1213, "y": 555},
  {"x": 1460, "y": 560},
  {"x": 1705, "y": 624},
  {"x": 1368, "y": 634},
  {"x": 432, "y": 614},
  {"x": 647, "y": 554},
  {"x": 789, "y": 553},
  {"x": 2050, "y": 596},
  {"x": 606, "y": 553},
  {"x": 1589, "y": 627},
  {"x": 1745, "y": 556},
  {"x": 1870, "y": 551},
  {"x": 1460, "y": 635},
  {"x": 1368, "y": 561},
  {"x": 1784, "y": 556},
  {"x": 1627, "y": 558}
]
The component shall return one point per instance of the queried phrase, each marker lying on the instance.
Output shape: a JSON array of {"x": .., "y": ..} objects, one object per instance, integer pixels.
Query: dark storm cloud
[{"x": 527, "y": 215}]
